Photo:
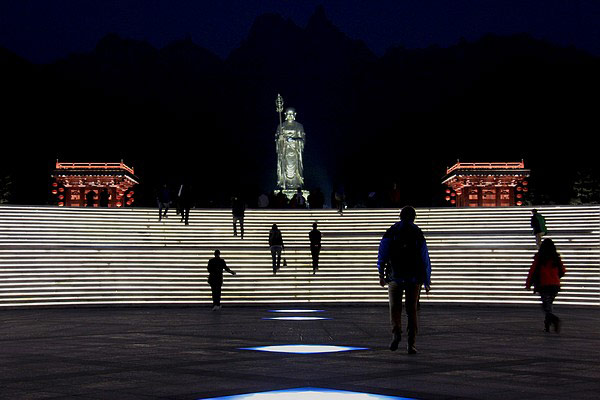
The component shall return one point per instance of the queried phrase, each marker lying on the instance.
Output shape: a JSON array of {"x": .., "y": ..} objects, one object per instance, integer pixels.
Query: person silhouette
[
  {"x": 276, "y": 246},
  {"x": 185, "y": 203},
  {"x": 538, "y": 224},
  {"x": 164, "y": 201},
  {"x": 315, "y": 246},
  {"x": 544, "y": 275},
  {"x": 104, "y": 198},
  {"x": 238, "y": 208},
  {"x": 90, "y": 198},
  {"x": 299, "y": 199},
  {"x": 215, "y": 269},
  {"x": 404, "y": 265}
]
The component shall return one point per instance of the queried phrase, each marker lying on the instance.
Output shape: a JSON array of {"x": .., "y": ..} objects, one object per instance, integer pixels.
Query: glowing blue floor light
[
  {"x": 298, "y": 310},
  {"x": 297, "y": 318},
  {"x": 304, "y": 348},
  {"x": 308, "y": 393}
]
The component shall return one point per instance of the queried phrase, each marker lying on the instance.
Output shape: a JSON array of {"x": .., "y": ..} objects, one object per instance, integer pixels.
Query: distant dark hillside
[{"x": 180, "y": 112}]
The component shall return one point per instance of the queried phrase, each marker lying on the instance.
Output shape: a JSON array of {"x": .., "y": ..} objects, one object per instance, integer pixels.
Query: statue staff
[{"x": 279, "y": 109}]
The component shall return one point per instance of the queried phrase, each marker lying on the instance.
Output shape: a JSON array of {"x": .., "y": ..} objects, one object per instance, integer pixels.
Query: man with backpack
[{"x": 404, "y": 265}]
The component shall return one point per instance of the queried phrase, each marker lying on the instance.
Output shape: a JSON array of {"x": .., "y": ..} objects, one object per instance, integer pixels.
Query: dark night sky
[{"x": 42, "y": 30}]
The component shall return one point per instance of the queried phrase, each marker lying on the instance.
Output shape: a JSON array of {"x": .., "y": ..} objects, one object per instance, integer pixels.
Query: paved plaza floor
[{"x": 470, "y": 352}]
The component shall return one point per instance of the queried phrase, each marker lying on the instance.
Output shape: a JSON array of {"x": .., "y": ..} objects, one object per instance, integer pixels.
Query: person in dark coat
[
  {"x": 90, "y": 198},
  {"x": 238, "y": 207},
  {"x": 318, "y": 199},
  {"x": 215, "y": 268},
  {"x": 281, "y": 200},
  {"x": 404, "y": 265},
  {"x": 276, "y": 246},
  {"x": 164, "y": 201},
  {"x": 299, "y": 199},
  {"x": 185, "y": 203},
  {"x": 104, "y": 198},
  {"x": 315, "y": 247},
  {"x": 340, "y": 200},
  {"x": 544, "y": 275},
  {"x": 538, "y": 224},
  {"x": 178, "y": 204}
]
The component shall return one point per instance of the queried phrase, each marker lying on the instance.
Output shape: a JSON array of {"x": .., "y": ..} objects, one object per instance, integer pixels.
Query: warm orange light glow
[
  {"x": 121, "y": 165},
  {"x": 486, "y": 184},
  {"x": 78, "y": 179},
  {"x": 492, "y": 165}
]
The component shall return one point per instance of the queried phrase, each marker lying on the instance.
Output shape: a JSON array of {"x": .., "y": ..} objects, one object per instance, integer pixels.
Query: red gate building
[
  {"x": 74, "y": 181},
  {"x": 486, "y": 184}
]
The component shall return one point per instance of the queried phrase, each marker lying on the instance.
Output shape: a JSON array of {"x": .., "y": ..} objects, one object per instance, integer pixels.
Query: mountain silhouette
[{"x": 182, "y": 113}]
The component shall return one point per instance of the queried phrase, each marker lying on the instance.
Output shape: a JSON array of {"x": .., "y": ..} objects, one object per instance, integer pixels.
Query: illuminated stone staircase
[{"x": 70, "y": 256}]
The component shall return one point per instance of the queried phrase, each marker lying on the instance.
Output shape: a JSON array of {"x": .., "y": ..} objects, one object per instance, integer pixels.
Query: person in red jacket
[{"x": 544, "y": 275}]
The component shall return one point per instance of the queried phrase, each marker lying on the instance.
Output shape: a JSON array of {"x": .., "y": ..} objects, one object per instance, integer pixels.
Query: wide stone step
[{"x": 68, "y": 256}]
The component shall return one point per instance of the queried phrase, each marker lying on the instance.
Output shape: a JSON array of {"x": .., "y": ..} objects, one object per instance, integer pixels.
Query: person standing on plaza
[
  {"x": 276, "y": 246},
  {"x": 538, "y": 224},
  {"x": 215, "y": 268},
  {"x": 315, "y": 247},
  {"x": 238, "y": 207},
  {"x": 404, "y": 265},
  {"x": 164, "y": 201},
  {"x": 544, "y": 275}
]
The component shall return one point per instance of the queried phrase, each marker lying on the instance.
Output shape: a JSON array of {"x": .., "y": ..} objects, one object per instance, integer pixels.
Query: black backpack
[{"x": 405, "y": 262}]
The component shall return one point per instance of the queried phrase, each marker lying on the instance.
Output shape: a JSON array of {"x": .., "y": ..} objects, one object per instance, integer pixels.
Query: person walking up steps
[
  {"x": 404, "y": 265},
  {"x": 163, "y": 199},
  {"x": 315, "y": 247},
  {"x": 185, "y": 203},
  {"x": 544, "y": 275},
  {"x": 538, "y": 224},
  {"x": 276, "y": 246},
  {"x": 238, "y": 207}
]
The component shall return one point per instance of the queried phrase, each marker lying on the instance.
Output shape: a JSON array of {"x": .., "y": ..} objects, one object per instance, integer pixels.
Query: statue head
[{"x": 290, "y": 114}]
